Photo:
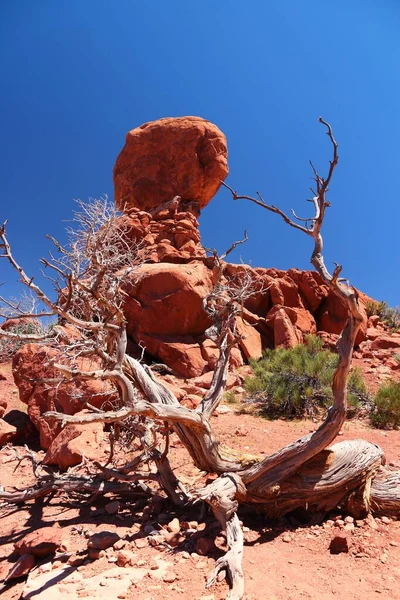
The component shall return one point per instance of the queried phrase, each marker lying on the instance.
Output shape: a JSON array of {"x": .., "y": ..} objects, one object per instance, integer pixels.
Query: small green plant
[
  {"x": 389, "y": 315},
  {"x": 230, "y": 398},
  {"x": 387, "y": 406},
  {"x": 296, "y": 382},
  {"x": 9, "y": 346}
]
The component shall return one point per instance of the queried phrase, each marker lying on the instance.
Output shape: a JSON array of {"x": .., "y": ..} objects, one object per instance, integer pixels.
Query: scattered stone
[
  {"x": 95, "y": 554},
  {"x": 125, "y": 557},
  {"x": 120, "y": 544},
  {"x": 169, "y": 577},
  {"x": 174, "y": 526},
  {"x": 141, "y": 543},
  {"x": 173, "y": 539},
  {"x": 102, "y": 540},
  {"x": 75, "y": 561},
  {"x": 241, "y": 431},
  {"x": 286, "y": 538},
  {"x": 112, "y": 508},
  {"x": 349, "y": 520},
  {"x": 360, "y": 522},
  {"x": 41, "y": 542},
  {"x": 204, "y": 546},
  {"x": 339, "y": 523},
  {"x": 339, "y": 543},
  {"x": 24, "y": 564},
  {"x": 386, "y": 520}
]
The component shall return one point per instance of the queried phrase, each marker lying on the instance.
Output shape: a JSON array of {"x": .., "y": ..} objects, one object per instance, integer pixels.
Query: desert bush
[
  {"x": 387, "y": 406},
  {"x": 296, "y": 382},
  {"x": 9, "y": 346},
  {"x": 389, "y": 315}
]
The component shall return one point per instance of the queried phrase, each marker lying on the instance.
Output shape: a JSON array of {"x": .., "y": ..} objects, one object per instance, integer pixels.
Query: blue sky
[{"x": 77, "y": 75}]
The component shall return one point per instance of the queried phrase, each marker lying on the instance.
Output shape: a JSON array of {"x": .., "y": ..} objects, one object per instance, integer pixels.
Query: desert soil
[{"x": 282, "y": 560}]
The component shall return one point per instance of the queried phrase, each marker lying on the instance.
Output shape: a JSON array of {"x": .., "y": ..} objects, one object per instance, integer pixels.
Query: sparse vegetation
[
  {"x": 8, "y": 346},
  {"x": 230, "y": 397},
  {"x": 389, "y": 315},
  {"x": 387, "y": 406},
  {"x": 296, "y": 382}
]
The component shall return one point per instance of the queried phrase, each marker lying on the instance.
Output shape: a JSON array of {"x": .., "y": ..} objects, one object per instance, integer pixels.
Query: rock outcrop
[
  {"x": 184, "y": 156},
  {"x": 38, "y": 388},
  {"x": 167, "y": 171}
]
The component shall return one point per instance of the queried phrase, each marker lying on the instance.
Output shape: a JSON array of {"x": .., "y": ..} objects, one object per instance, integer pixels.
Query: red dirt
[{"x": 281, "y": 561}]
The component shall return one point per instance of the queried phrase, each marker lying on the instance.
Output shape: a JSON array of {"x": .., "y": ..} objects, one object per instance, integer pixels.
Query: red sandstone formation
[
  {"x": 185, "y": 156},
  {"x": 167, "y": 171}
]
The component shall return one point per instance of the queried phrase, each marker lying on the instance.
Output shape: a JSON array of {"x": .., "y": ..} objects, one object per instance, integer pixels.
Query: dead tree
[{"x": 307, "y": 474}]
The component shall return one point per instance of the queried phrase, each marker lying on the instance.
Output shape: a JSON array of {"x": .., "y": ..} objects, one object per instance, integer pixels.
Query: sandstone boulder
[
  {"x": 182, "y": 355},
  {"x": 184, "y": 156},
  {"x": 32, "y": 374},
  {"x": 40, "y": 542},
  {"x": 285, "y": 334},
  {"x": 167, "y": 300},
  {"x": 250, "y": 341},
  {"x": 74, "y": 442},
  {"x": 385, "y": 341}
]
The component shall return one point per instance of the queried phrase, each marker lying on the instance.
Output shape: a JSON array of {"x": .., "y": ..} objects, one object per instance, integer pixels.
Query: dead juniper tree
[{"x": 307, "y": 474}]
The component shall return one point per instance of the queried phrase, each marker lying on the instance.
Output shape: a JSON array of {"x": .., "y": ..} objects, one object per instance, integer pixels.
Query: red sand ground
[{"x": 281, "y": 562}]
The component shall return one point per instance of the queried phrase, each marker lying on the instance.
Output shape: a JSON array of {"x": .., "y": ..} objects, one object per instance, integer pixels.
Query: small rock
[
  {"x": 205, "y": 546},
  {"x": 339, "y": 523},
  {"x": 125, "y": 557},
  {"x": 41, "y": 542},
  {"x": 241, "y": 432},
  {"x": 360, "y": 522},
  {"x": 112, "y": 507},
  {"x": 173, "y": 539},
  {"x": 393, "y": 543},
  {"x": 349, "y": 520},
  {"x": 102, "y": 540},
  {"x": 174, "y": 526},
  {"x": 169, "y": 577},
  {"x": 24, "y": 564},
  {"x": 386, "y": 520},
  {"x": 286, "y": 538},
  {"x": 141, "y": 543},
  {"x": 119, "y": 544},
  {"x": 383, "y": 558},
  {"x": 75, "y": 561},
  {"x": 95, "y": 553},
  {"x": 339, "y": 543},
  {"x": 349, "y": 526}
]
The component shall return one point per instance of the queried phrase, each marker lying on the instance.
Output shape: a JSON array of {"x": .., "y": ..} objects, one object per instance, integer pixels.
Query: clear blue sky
[{"x": 76, "y": 75}]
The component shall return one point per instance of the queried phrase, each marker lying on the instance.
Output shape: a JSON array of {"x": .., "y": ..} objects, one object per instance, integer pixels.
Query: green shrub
[
  {"x": 387, "y": 406},
  {"x": 230, "y": 397},
  {"x": 387, "y": 314},
  {"x": 296, "y": 382},
  {"x": 9, "y": 346}
]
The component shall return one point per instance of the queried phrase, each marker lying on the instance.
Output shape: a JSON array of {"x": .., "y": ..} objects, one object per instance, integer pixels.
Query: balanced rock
[{"x": 183, "y": 156}]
